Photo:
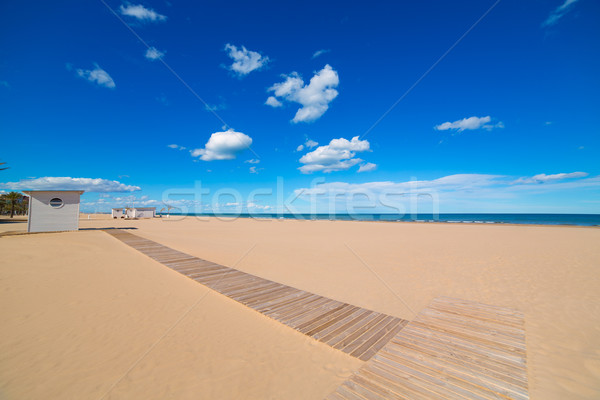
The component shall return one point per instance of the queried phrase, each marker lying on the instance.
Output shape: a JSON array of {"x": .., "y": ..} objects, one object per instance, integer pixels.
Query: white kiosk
[{"x": 53, "y": 210}]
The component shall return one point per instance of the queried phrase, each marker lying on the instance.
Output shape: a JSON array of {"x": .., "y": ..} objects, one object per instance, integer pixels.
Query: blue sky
[{"x": 146, "y": 101}]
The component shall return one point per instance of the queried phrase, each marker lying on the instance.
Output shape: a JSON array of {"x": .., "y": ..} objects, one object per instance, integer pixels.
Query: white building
[
  {"x": 137, "y": 212},
  {"x": 140, "y": 212},
  {"x": 53, "y": 210}
]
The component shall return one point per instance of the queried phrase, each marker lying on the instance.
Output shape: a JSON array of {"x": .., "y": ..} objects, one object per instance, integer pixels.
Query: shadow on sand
[
  {"x": 106, "y": 229},
  {"x": 12, "y": 221}
]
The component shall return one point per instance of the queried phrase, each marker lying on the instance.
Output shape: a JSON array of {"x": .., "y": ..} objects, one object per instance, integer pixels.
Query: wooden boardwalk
[
  {"x": 454, "y": 349},
  {"x": 351, "y": 329}
]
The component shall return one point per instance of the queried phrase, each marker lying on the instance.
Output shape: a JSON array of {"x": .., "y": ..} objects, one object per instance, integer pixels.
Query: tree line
[{"x": 13, "y": 203}]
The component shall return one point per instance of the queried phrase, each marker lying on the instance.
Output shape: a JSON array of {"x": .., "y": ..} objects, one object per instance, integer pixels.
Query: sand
[
  {"x": 550, "y": 273},
  {"x": 80, "y": 310},
  {"x": 15, "y": 224}
]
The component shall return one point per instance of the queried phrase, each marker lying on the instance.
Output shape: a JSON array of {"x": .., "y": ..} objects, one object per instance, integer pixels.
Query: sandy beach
[{"x": 89, "y": 317}]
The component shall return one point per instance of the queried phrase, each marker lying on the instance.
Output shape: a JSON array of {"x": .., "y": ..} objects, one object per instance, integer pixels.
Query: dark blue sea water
[{"x": 526, "y": 219}]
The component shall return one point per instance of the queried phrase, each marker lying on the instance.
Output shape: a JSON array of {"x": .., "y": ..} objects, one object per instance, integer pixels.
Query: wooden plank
[
  {"x": 183, "y": 268},
  {"x": 218, "y": 283},
  {"x": 268, "y": 305},
  {"x": 375, "y": 337},
  {"x": 245, "y": 286},
  {"x": 481, "y": 364},
  {"x": 260, "y": 286},
  {"x": 323, "y": 307},
  {"x": 479, "y": 314},
  {"x": 348, "y": 394},
  {"x": 393, "y": 331},
  {"x": 406, "y": 388},
  {"x": 510, "y": 351},
  {"x": 362, "y": 391},
  {"x": 197, "y": 271},
  {"x": 476, "y": 350},
  {"x": 268, "y": 291},
  {"x": 454, "y": 349},
  {"x": 458, "y": 367},
  {"x": 455, "y": 372},
  {"x": 327, "y": 322},
  {"x": 348, "y": 340},
  {"x": 465, "y": 323},
  {"x": 272, "y": 297},
  {"x": 299, "y": 308},
  {"x": 473, "y": 386},
  {"x": 340, "y": 323},
  {"x": 288, "y": 305},
  {"x": 335, "y": 396},
  {"x": 366, "y": 335},
  {"x": 426, "y": 381},
  {"x": 470, "y": 336},
  {"x": 349, "y": 323},
  {"x": 319, "y": 319},
  {"x": 380, "y": 390},
  {"x": 471, "y": 323},
  {"x": 176, "y": 259},
  {"x": 353, "y": 329}
]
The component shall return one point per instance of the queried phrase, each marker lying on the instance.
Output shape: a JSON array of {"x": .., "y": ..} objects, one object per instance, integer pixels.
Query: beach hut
[
  {"x": 118, "y": 213},
  {"x": 141, "y": 212},
  {"x": 53, "y": 210}
]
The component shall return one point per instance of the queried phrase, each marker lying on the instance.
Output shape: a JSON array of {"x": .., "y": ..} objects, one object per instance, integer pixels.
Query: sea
[{"x": 523, "y": 219}]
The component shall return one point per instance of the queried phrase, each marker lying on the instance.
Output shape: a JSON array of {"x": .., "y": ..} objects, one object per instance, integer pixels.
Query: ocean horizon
[{"x": 482, "y": 218}]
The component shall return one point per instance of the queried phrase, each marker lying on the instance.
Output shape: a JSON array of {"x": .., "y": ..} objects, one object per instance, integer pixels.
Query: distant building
[
  {"x": 141, "y": 212},
  {"x": 53, "y": 210},
  {"x": 137, "y": 212}
]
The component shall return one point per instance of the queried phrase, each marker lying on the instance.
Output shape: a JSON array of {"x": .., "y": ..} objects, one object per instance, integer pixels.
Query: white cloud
[
  {"x": 223, "y": 146},
  {"x": 320, "y": 52},
  {"x": 309, "y": 144},
  {"x": 462, "y": 193},
  {"x": 154, "y": 54},
  {"x": 252, "y": 161},
  {"x": 459, "y": 185},
  {"x": 141, "y": 13},
  {"x": 244, "y": 60},
  {"x": 176, "y": 146},
  {"x": 366, "y": 167},
  {"x": 98, "y": 76},
  {"x": 558, "y": 13},
  {"x": 273, "y": 102},
  {"x": 457, "y": 182},
  {"x": 254, "y": 170},
  {"x": 314, "y": 97},
  {"x": 543, "y": 178},
  {"x": 471, "y": 123},
  {"x": 68, "y": 183},
  {"x": 338, "y": 155}
]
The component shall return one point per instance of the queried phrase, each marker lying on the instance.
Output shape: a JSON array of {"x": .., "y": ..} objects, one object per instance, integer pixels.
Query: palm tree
[
  {"x": 13, "y": 198},
  {"x": 3, "y": 204},
  {"x": 3, "y": 168},
  {"x": 23, "y": 206}
]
